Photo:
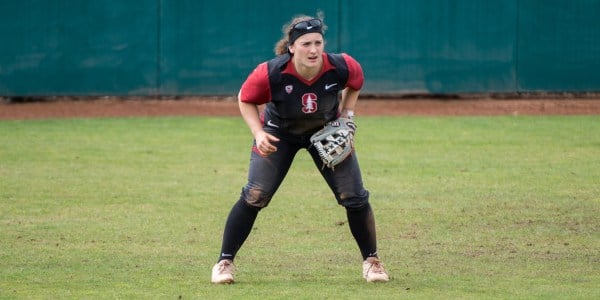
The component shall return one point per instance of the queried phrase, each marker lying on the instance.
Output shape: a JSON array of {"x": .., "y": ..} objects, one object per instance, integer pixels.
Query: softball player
[{"x": 300, "y": 89}]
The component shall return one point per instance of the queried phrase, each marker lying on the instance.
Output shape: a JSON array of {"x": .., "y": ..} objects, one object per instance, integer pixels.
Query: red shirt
[{"x": 256, "y": 88}]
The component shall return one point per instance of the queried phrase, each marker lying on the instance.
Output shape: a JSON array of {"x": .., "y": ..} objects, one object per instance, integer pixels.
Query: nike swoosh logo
[
  {"x": 309, "y": 27},
  {"x": 328, "y": 86},
  {"x": 269, "y": 123}
]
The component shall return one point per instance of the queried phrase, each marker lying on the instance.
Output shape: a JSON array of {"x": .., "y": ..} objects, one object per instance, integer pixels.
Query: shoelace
[
  {"x": 225, "y": 267},
  {"x": 376, "y": 267}
]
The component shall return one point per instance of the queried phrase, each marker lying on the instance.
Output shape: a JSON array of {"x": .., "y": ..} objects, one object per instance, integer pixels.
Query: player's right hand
[{"x": 264, "y": 143}]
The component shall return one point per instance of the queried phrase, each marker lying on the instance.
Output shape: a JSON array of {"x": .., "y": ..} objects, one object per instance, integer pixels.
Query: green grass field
[{"x": 466, "y": 207}]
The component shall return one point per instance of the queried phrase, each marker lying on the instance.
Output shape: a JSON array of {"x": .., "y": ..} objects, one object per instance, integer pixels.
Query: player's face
[{"x": 308, "y": 50}]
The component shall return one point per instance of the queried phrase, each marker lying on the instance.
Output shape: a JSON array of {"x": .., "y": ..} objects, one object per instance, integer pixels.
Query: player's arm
[
  {"x": 348, "y": 102},
  {"x": 355, "y": 82},
  {"x": 264, "y": 141},
  {"x": 254, "y": 92},
  {"x": 251, "y": 116}
]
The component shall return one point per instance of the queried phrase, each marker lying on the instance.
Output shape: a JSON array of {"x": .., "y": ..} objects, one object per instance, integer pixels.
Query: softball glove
[{"x": 335, "y": 141}]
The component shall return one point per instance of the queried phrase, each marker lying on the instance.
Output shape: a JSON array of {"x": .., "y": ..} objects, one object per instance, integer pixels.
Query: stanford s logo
[{"x": 309, "y": 103}]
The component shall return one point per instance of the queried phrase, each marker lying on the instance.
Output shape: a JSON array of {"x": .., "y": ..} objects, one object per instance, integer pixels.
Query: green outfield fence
[{"x": 195, "y": 47}]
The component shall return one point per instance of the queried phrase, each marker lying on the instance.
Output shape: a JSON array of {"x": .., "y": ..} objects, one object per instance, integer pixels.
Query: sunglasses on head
[
  {"x": 308, "y": 25},
  {"x": 304, "y": 27}
]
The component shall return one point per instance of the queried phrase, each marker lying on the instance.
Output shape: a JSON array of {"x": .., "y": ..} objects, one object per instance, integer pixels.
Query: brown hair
[{"x": 281, "y": 47}]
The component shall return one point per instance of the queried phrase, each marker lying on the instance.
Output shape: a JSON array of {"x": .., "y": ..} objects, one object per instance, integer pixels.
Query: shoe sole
[{"x": 227, "y": 281}]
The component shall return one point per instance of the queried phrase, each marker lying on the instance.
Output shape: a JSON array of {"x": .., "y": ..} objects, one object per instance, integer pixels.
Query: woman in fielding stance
[{"x": 300, "y": 88}]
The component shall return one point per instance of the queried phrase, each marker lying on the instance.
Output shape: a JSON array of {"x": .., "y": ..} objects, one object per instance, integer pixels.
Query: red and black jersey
[{"x": 296, "y": 105}]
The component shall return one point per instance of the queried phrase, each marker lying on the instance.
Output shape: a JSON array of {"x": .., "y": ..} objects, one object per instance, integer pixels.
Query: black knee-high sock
[
  {"x": 362, "y": 226},
  {"x": 237, "y": 228}
]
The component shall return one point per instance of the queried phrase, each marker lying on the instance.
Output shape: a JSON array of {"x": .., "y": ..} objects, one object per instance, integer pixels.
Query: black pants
[{"x": 266, "y": 174}]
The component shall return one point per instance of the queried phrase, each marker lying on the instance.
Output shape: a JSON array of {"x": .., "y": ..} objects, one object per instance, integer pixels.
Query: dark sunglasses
[{"x": 314, "y": 24}]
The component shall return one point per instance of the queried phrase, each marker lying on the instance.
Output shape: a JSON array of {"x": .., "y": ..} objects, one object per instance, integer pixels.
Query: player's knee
[
  {"x": 256, "y": 197},
  {"x": 353, "y": 200}
]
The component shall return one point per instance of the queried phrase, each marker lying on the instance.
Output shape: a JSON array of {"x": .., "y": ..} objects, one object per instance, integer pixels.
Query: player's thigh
[{"x": 345, "y": 180}]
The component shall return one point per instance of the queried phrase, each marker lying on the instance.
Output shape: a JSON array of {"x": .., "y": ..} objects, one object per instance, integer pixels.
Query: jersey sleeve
[
  {"x": 356, "y": 77},
  {"x": 256, "y": 87}
]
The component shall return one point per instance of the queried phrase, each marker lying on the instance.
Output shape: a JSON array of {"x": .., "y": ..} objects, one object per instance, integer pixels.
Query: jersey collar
[{"x": 290, "y": 69}]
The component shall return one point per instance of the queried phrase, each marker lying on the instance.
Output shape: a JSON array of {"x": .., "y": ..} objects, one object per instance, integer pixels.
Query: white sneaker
[
  {"x": 373, "y": 270},
  {"x": 222, "y": 272}
]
